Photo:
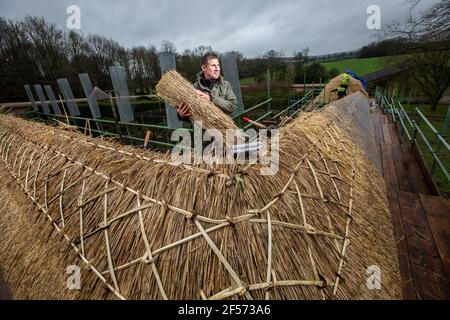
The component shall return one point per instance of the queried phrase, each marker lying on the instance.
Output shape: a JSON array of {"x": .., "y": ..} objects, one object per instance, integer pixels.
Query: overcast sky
[{"x": 249, "y": 26}]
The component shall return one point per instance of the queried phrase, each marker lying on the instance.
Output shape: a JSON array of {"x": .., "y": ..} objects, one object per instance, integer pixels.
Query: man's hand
[
  {"x": 184, "y": 110},
  {"x": 203, "y": 95}
]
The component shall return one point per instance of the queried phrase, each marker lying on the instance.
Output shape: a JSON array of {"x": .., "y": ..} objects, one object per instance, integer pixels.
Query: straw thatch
[
  {"x": 174, "y": 89},
  {"x": 327, "y": 96},
  {"x": 142, "y": 228},
  {"x": 361, "y": 130}
]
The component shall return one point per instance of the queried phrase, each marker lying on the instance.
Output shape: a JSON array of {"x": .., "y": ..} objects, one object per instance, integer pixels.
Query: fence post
[
  {"x": 304, "y": 84},
  {"x": 414, "y": 132},
  {"x": 268, "y": 86},
  {"x": 443, "y": 134}
]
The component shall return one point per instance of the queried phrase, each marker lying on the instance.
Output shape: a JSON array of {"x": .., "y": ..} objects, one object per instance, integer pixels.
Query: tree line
[
  {"x": 424, "y": 51},
  {"x": 34, "y": 51}
]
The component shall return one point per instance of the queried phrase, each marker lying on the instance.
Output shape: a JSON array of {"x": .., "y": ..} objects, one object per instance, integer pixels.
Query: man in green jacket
[{"x": 210, "y": 85}]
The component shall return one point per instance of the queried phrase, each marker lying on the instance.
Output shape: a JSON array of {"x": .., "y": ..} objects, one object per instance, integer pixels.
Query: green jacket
[{"x": 221, "y": 92}]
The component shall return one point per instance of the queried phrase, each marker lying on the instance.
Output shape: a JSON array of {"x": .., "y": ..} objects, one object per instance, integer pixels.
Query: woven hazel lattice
[{"x": 79, "y": 196}]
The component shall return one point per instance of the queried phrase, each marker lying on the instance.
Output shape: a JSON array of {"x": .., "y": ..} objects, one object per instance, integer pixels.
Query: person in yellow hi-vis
[
  {"x": 345, "y": 80},
  {"x": 341, "y": 91}
]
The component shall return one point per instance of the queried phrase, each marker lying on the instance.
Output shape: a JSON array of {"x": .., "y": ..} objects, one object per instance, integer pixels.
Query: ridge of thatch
[{"x": 147, "y": 229}]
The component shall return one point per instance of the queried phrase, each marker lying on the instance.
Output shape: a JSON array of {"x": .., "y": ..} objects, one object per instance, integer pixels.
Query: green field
[
  {"x": 364, "y": 66},
  {"x": 247, "y": 81},
  {"x": 359, "y": 66}
]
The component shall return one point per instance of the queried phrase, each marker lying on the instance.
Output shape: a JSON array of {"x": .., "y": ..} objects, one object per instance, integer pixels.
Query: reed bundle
[{"x": 174, "y": 89}]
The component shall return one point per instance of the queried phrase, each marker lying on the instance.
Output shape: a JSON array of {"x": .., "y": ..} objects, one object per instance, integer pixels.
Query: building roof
[{"x": 384, "y": 73}]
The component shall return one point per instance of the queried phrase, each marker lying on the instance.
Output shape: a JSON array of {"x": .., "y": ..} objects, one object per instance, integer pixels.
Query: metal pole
[
  {"x": 414, "y": 137},
  {"x": 320, "y": 87},
  {"x": 304, "y": 84},
  {"x": 443, "y": 134},
  {"x": 268, "y": 86},
  {"x": 116, "y": 119}
]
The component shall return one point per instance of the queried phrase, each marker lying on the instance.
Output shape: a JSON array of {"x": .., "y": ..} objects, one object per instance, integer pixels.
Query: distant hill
[{"x": 359, "y": 66}]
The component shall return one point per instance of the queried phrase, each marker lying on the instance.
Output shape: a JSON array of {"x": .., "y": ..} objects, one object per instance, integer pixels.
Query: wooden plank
[
  {"x": 438, "y": 214},
  {"x": 378, "y": 129},
  {"x": 386, "y": 134},
  {"x": 410, "y": 178},
  {"x": 417, "y": 178},
  {"x": 407, "y": 278},
  {"x": 427, "y": 267},
  {"x": 401, "y": 168},
  {"x": 389, "y": 174},
  {"x": 408, "y": 284},
  {"x": 394, "y": 134},
  {"x": 5, "y": 292},
  {"x": 434, "y": 289}
]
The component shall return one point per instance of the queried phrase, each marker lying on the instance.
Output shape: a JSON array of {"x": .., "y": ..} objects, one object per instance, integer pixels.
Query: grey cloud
[{"x": 249, "y": 26}]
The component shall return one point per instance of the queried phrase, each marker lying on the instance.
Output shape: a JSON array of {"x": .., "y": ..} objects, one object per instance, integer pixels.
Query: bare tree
[
  {"x": 143, "y": 66},
  {"x": 427, "y": 45},
  {"x": 201, "y": 50},
  {"x": 432, "y": 25},
  {"x": 48, "y": 46},
  {"x": 18, "y": 62},
  {"x": 167, "y": 46},
  {"x": 302, "y": 56},
  {"x": 435, "y": 23}
]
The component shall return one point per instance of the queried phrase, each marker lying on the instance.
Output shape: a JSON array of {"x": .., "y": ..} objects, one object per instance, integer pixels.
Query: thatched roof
[
  {"x": 143, "y": 228},
  {"x": 383, "y": 73},
  {"x": 327, "y": 96}
]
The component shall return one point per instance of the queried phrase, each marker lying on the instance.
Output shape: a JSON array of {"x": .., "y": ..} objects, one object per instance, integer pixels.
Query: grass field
[
  {"x": 359, "y": 66},
  {"x": 247, "y": 81},
  {"x": 365, "y": 66}
]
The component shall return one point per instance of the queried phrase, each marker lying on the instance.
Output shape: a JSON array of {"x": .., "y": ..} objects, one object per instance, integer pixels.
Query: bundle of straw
[{"x": 176, "y": 90}]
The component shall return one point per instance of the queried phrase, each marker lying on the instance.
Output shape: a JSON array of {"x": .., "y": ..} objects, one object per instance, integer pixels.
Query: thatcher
[{"x": 140, "y": 227}]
